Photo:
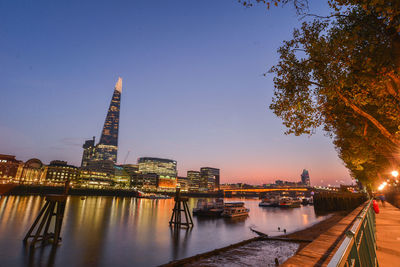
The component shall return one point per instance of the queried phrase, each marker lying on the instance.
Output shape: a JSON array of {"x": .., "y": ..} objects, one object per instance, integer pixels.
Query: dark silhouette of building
[{"x": 305, "y": 178}]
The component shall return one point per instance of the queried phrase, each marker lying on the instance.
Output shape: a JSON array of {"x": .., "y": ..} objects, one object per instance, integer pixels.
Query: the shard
[{"x": 107, "y": 148}]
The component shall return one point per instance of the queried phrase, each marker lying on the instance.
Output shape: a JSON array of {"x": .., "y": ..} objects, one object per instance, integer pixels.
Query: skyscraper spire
[{"x": 118, "y": 85}]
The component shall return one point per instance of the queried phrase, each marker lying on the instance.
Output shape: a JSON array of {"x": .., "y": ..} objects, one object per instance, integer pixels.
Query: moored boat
[
  {"x": 235, "y": 209},
  {"x": 288, "y": 202},
  {"x": 271, "y": 201},
  {"x": 209, "y": 209}
]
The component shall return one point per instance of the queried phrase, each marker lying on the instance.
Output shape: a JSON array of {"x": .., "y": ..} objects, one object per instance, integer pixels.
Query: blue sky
[{"x": 193, "y": 85}]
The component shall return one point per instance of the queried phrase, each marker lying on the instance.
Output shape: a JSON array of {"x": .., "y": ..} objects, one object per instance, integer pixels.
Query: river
[{"x": 117, "y": 231}]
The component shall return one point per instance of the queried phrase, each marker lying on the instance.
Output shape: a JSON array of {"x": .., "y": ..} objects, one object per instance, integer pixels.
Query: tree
[{"x": 341, "y": 73}]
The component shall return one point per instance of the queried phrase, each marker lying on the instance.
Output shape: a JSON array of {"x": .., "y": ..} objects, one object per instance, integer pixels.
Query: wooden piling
[{"x": 179, "y": 207}]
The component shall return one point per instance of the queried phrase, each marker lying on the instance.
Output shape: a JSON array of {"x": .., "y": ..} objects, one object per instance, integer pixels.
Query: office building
[
  {"x": 183, "y": 183},
  {"x": 89, "y": 152},
  {"x": 305, "y": 178},
  {"x": 165, "y": 169},
  {"x": 59, "y": 171},
  {"x": 209, "y": 179},
  {"x": 193, "y": 180},
  {"x": 10, "y": 168}
]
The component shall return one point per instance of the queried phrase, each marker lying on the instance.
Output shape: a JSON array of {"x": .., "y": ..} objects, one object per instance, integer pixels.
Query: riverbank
[
  {"x": 252, "y": 249},
  {"x": 21, "y": 190}
]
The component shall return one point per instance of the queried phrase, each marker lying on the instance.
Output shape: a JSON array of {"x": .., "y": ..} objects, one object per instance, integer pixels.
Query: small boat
[
  {"x": 155, "y": 196},
  {"x": 269, "y": 202},
  {"x": 209, "y": 209},
  {"x": 235, "y": 209},
  {"x": 307, "y": 201},
  {"x": 288, "y": 202}
]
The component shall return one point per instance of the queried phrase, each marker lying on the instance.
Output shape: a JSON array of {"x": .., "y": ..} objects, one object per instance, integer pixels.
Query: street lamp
[{"x": 395, "y": 174}]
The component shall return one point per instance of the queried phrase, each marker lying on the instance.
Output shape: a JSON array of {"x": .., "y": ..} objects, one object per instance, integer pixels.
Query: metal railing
[{"x": 359, "y": 246}]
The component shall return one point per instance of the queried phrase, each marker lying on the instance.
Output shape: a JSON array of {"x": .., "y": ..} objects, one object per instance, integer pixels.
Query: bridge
[{"x": 261, "y": 190}]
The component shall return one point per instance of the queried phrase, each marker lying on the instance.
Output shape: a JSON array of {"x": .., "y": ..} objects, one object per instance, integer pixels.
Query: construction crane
[{"x": 126, "y": 157}]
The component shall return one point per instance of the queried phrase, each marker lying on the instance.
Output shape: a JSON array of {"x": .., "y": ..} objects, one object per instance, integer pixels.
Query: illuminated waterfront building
[
  {"x": 193, "y": 180},
  {"x": 33, "y": 172},
  {"x": 305, "y": 178},
  {"x": 209, "y": 179},
  {"x": 94, "y": 179},
  {"x": 121, "y": 177},
  {"x": 133, "y": 171},
  {"x": 59, "y": 171},
  {"x": 165, "y": 169},
  {"x": 10, "y": 168},
  {"x": 107, "y": 148},
  {"x": 148, "y": 181},
  {"x": 183, "y": 183}
]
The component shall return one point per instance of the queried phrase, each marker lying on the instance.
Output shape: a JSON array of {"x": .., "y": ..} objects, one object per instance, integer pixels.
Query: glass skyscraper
[{"x": 107, "y": 148}]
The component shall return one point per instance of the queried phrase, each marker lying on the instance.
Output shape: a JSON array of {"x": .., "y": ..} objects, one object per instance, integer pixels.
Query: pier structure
[
  {"x": 180, "y": 207},
  {"x": 54, "y": 207}
]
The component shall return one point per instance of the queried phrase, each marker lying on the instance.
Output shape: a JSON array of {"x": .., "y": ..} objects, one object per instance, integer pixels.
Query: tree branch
[{"x": 374, "y": 121}]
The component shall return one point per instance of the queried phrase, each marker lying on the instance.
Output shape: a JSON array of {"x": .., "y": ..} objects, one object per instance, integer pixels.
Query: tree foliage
[{"x": 342, "y": 73}]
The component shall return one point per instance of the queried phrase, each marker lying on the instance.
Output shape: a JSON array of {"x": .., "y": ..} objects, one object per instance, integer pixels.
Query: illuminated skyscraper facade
[{"x": 107, "y": 148}]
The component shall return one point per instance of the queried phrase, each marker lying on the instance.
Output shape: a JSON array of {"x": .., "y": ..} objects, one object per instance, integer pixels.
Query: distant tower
[
  {"x": 305, "y": 178},
  {"x": 107, "y": 148}
]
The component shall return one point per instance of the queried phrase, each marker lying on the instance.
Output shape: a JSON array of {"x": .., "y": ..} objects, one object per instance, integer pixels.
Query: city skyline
[{"x": 219, "y": 120}]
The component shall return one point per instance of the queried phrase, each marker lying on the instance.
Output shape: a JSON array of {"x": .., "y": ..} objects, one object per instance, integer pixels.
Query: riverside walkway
[{"x": 388, "y": 235}]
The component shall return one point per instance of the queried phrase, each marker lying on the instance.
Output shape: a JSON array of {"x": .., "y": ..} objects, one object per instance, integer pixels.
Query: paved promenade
[
  {"x": 321, "y": 250},
  {"x": 388, "y": 235}
]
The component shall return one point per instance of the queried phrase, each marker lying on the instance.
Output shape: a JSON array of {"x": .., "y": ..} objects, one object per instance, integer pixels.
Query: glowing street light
[
  {"x": 380, "y": 188},
  {"x": 395, "y": 174}
]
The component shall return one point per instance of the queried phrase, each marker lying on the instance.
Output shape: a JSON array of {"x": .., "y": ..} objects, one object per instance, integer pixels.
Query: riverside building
[
  {"x": 193, "y": 180},
  {"x": 59, "y": 171},
  {"x": 209, "y": 179},
  {"x": 10, "y": 168},
  {"x": 164, "y": 169}
]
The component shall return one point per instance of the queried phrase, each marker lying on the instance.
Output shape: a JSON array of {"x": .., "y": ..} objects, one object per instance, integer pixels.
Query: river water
[{"x": 116, "y": 231}]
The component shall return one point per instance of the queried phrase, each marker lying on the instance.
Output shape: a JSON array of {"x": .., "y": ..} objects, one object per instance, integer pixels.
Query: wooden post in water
[
  {"x": 54, "y": 206},
  {"x": 180, "y": 206}
]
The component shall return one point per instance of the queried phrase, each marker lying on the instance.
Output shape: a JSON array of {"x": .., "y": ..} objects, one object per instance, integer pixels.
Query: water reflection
[
  {"x": 107, "y": 231},
  {"x": 179, "y": 246}
]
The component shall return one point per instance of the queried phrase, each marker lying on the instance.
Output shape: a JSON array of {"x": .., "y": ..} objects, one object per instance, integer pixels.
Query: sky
[{"x": 193, "y": 85}]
